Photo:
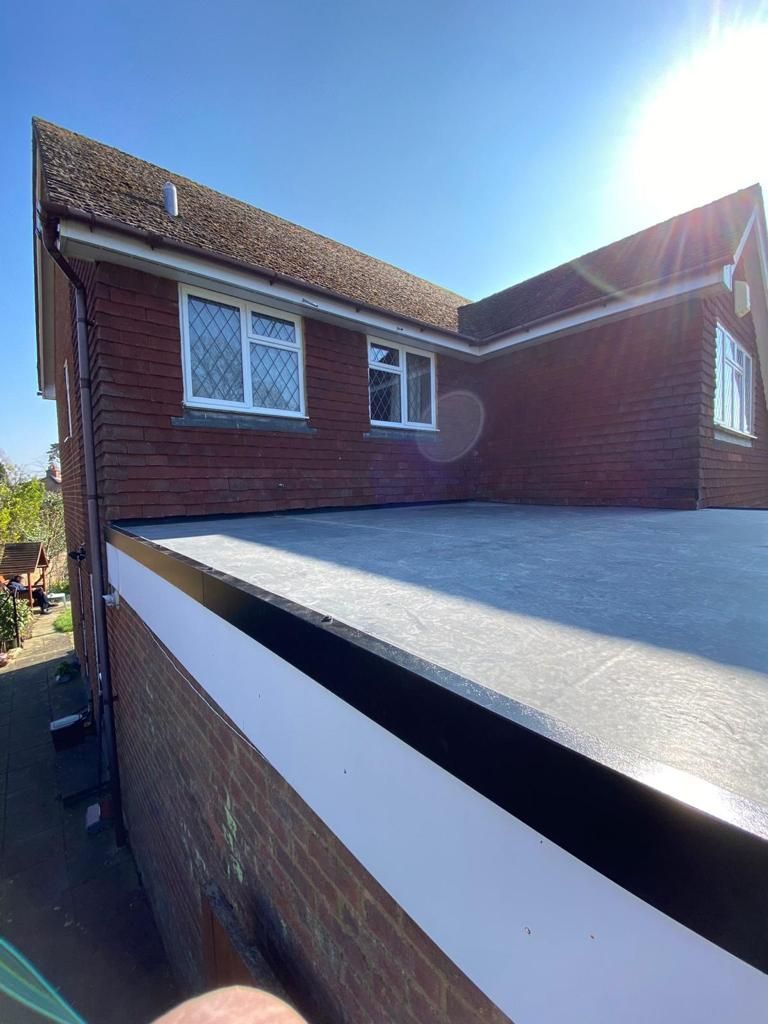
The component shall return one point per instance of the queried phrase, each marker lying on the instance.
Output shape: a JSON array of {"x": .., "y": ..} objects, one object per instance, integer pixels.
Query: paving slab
[{"x": 70, "y": 901}]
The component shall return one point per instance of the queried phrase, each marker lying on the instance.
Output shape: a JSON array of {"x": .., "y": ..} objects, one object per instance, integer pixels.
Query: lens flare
[
  {"x": 461, "y": 415},
  {"x": 701, "y": 132}
]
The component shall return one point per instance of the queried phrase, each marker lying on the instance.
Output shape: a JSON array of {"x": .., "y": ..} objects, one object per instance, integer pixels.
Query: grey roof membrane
[{"x": 645, "y": 629}]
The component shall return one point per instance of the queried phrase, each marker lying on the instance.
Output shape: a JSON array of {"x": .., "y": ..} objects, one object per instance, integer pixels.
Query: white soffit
[{"x": 80, "y": 241}]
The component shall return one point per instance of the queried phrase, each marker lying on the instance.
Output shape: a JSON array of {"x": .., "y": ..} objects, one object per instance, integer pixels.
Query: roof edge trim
[
  {"x": 90, "y": 237},
  {"x": 156, "y": 241}
]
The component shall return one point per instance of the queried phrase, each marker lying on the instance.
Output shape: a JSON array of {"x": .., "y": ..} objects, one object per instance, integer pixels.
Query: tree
[
  {"x": 28, "y": 511},
  {"x": 50, "y": 529},
  {"x": 21, "y": 499}
]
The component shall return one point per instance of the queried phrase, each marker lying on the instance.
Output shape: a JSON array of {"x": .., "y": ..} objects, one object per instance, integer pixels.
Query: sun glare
[{"x": 701, "y": 133}]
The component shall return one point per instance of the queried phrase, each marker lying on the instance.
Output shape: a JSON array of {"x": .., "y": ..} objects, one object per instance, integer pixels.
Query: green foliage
[
  {"x": 28, "y": 512},
  {"x": 50, "y": 527},
  {"x": 59, "y": 586},
  {"x": 63, "y": 622},
  {"x": 24, "y": 613},
  {"x": 20, "y": 504}
]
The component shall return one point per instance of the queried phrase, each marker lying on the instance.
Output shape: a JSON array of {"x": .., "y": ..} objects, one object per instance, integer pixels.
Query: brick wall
[
  {"x": 608, "y": 416},
  {"x": 149, "y": 467},
  {"x": 611, "y": 415},
  {"x": 202, "y": 805},
  {"x": 731, "y": 475}
]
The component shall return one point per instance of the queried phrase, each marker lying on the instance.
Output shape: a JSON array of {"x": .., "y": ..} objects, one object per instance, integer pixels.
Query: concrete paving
[
  {"x": 645, "y": 629},
  {"x": 71, "y": 902}
]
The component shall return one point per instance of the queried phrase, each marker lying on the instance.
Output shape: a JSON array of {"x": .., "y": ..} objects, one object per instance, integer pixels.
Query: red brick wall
[
  {"x": 731, "y": 475},
  {"x": 202, "y": 805},
  {"x": 608, "y": 416},
  {"x": 148, "y": 467}
]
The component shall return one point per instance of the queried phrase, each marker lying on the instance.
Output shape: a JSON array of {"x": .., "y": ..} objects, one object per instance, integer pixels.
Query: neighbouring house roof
[
  {"x": 52, "y": 480},
  {"x": 96, "y": 179},
  {"x": 19, "y": 559},
  {"x": 85, "y": 179},
  {"x": 685, "y": 243}
]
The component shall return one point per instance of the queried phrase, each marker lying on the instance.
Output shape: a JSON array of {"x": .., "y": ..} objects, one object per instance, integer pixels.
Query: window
[
  {"x": 401, "y": 386},
  {"x": 733, "y": 384},
  {"x": 69, "y": 401},
  {"x": 241, "y": 356}
]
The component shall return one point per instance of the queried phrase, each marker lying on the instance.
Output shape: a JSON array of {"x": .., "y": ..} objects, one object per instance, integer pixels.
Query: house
[
  {"x": 52, "y": 479},
  {"x": 429, "y": 753}
]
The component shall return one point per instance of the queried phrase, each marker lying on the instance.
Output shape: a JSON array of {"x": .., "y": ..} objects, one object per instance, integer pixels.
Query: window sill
[
  {"x": 729, "y": 435},
  {"x": 402, "y": 433},
  {"x": 216, "y": 419}
]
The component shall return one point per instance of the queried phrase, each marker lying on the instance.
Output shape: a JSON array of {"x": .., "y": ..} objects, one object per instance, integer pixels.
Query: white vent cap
[
  {"x": 741, "y": 300},
  {"x": 170, "y": 199}
]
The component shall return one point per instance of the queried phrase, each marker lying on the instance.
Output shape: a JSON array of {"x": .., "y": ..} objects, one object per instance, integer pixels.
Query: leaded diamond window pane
[
  {"x": 384, "y": 354},
  {"x": 384, "y": 389},
  {"x": 271, "y": 327},
  {"x": 419, "y": 372},
  {"x": 215, "y": 349},
  {"x": 275, "y": 378}
]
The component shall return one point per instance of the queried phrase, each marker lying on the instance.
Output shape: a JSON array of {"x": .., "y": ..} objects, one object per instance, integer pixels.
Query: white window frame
[
  {"x": 247, "y": 338},
  {"x": 401, "y": 371},
  {"x": 722, "y": 363},
  {"x": 69, "y": 401}
]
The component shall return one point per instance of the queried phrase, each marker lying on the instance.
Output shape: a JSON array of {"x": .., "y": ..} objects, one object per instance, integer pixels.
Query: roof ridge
[{"x": 39, "y": 121}]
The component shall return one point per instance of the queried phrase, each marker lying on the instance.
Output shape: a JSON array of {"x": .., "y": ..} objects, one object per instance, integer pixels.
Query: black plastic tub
[{"x": 67, "y": 732}]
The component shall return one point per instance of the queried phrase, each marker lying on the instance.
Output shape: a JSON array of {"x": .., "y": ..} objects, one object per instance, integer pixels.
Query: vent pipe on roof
[{"x": 170, "y": 199}]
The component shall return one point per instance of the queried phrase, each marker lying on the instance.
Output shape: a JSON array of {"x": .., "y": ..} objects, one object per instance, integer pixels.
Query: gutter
[
  {"x": 604, "y": 302},
  {"x": 158, "y": 241},
  {"x": 50, "y": 240}
]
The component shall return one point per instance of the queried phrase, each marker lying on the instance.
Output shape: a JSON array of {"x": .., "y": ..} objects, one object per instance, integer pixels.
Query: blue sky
[{"x": 473, "y": 144}]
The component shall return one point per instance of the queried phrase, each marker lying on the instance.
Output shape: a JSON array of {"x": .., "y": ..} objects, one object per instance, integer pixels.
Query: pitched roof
[
  {"x": 682, "y": 244},
  {"x": 18, "y": 559},
  {"x": 91, "y": 179},
  {"x": 96, "y": 179}
]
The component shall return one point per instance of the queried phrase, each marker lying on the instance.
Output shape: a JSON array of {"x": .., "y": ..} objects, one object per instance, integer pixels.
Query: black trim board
[{"x": 710, "y": 873}]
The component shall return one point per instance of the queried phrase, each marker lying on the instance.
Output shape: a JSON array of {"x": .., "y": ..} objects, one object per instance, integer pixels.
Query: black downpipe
[{"x": 106, "y": 701}]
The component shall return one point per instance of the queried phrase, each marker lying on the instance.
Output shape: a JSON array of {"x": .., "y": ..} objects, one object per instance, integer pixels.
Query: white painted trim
[
  {"x": 69, "y": 401},
  {"x": 744, "y": 237},
  {"x": 546, "y": 937},
  {"x": 247, "y": 339},
  {"x": 401, "y": 370},
  {"x": 628, "y": 302},
  {"x": 80, "y": 241},
  {"x": 721, "y": 361},
  {"x": 733, "y": 436}
]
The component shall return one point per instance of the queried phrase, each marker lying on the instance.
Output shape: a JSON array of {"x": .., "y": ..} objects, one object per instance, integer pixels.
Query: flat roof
[{"x": 645, "y": 629}]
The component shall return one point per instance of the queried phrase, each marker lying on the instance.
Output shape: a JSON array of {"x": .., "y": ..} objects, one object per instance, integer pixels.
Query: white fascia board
[
  {"x": 80, "y": 241},
  {"x": 628, "y": 302},
  {"x": 744, "y": 237},
  {"x": 762, "y": 248},
  {"x": 757, "y": 278},
  {"x": 45, "y": 298}
]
